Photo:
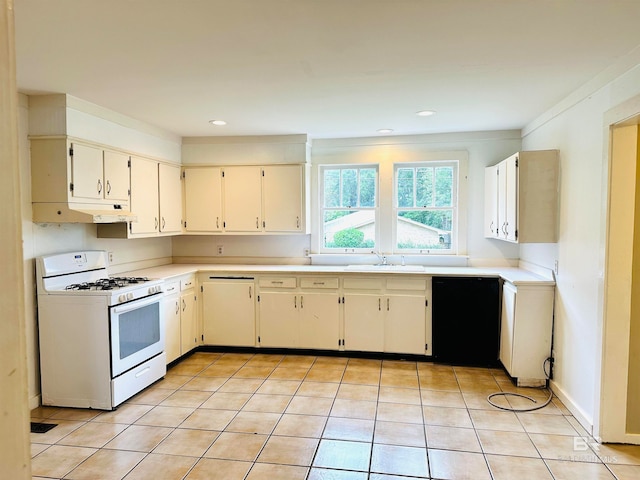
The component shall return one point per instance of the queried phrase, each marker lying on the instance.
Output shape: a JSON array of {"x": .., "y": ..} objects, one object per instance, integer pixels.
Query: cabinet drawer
[
  {"x": 171, "y": 287},
  {"x": 363, "y": 283},
  {"x": 319, "y": 282},
  {"x": 188, "y": 282},
  {"x": 284, "y": 282},
  {"x": 406, "y": 284}
]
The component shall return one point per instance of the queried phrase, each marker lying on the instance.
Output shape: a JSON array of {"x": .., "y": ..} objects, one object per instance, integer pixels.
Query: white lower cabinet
[
  {"x": 304, "y": 316},
  {"x": 525, "y": 332},
  {"x": 278, "y": 319},
  {"x": 404, "y": 324},
  {"x": 189, "y": 332},
  {"x": 392, "y": 319},
  {"x": 319, "y": 321},
  {"x": 228, "y": 312},
  {"x": 171, "y": 313},
  {"x": 363, "y": 322}
]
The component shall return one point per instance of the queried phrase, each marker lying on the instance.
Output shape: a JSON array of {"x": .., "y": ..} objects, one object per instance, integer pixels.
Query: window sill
[{"x": 394, "y": 259}]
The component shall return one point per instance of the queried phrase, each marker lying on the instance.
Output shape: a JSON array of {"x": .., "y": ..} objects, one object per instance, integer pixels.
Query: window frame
[
  {"x": 455, "y": 206},
  {"x": 322, "y": 209}
]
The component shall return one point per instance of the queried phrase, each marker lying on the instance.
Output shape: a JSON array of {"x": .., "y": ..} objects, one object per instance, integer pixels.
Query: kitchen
[{"x": 575, "y": 128}]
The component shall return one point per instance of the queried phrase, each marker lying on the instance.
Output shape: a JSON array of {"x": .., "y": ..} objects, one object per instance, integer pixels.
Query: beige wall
[{"x": 15, "y": 454}]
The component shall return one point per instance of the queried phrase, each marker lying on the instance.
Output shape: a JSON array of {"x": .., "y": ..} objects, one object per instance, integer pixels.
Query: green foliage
[{"x": 350, "y": 238}]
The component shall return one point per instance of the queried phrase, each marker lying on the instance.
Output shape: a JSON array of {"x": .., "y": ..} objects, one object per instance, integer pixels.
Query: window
[
  {"x": 349, "y": 207},
  {"x": 425, "y": 207}
]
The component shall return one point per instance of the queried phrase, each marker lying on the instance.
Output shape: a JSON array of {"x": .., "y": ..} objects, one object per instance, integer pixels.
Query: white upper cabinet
[
  {"x": 202, "y": 199},
  {"x": 246, "y": 199},
  {"x": 242, "y": 187},
  {"x": 170, "y": 198},
  {"x": 86, "y": 171},
  {"x": 144, "y": 195},
  {"x": 521, "y": 198},
  {"x": 116, "y": 176},
  {"x": 283, "y": 198}
]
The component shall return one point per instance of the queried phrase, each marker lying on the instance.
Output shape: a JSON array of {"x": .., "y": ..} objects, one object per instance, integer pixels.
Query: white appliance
[{"x": 101, "y": 337}]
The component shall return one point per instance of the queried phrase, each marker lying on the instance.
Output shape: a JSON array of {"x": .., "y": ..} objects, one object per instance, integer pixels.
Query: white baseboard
[{"x": 582, "y": 418}]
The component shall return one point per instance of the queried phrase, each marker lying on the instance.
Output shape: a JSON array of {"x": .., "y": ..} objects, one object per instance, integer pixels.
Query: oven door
[{"x": 137, "y": 333}]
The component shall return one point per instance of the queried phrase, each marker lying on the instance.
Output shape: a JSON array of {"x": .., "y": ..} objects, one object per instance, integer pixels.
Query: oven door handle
[{"x": 135, "y": 304}]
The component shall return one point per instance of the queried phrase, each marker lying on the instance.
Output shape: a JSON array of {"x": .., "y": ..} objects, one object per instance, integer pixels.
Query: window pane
[
  {"x": 424, "y": 187},
  {"x": 349, "y": 188},
  {"x": 426, "y": 229},
  {"x": 332, "y": 188},
  {"x": 405, "y": 187},
  {"x": 444, "y": 183},
  {"x": 349, "y": 229},
  {"x": 368, "y": 187}
]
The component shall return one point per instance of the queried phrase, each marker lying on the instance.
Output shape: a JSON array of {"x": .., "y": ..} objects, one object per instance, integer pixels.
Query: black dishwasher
[{"x": 466, "y": 320}]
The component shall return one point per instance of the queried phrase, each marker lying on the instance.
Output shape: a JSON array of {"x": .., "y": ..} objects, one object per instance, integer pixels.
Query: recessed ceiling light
[
  {"x": 385, "y": 130},
  {"x": 425, "y": 113},
  {"x": 217, "y": 122}
]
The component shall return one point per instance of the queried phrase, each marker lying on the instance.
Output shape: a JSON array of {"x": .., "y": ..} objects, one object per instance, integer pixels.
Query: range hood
[{"x": 80, "y": 213}]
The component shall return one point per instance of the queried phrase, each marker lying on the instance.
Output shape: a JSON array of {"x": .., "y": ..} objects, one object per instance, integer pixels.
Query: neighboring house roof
[{"x": 363, "y": 218}]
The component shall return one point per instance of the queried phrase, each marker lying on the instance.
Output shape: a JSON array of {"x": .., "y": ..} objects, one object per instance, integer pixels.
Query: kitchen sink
[{"x": 385, "y": 268}]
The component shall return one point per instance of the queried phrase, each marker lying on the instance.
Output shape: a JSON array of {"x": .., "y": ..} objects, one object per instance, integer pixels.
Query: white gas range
[{"x": 101, "y": 337}]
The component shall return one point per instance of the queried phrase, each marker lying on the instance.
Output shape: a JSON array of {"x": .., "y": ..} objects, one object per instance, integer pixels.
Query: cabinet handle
[
  {"x": 184, "y": 305},
  {"x": 217, "y": 222},
  {"x": 274, "y": 282},
  {"x": 156, "y": 225},
  {"x": 379, "y": 304},
  {"x": 301, "y": 300},
  {"x": 387, "y": 304},
  {"x": 163, "y": 223},
  {"x": 250, "y": 292},
  {"x": 257, "y": 223},
  {"x": 295, "y": 301},
  {"x": 491, "y": 226},
  {"x": 170, "y": 289},
  {"x": 99, "y": 186},
  {"x": 318, "y": 283},
  {"x": 108, "y": 187},
  {"x": 297, "y": 222},
  {"x": 177, "y": 307}
]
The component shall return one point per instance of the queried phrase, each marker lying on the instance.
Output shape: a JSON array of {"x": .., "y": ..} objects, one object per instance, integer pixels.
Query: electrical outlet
[
  {"x": 220, "y": 250},
  {"x": 306, "y": 252},
  {"x": 555, "y": 267},
  {"x": 110, "y": 254}
]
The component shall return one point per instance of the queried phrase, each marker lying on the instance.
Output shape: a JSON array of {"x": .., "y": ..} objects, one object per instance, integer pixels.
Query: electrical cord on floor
[{"x": 531, "y": 409}]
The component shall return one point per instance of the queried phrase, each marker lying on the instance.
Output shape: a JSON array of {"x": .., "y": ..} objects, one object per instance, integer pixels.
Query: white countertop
[{"x": 517, "y": 276}]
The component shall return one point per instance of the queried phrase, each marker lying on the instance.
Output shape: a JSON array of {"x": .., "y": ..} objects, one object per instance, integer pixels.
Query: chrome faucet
[{"x": 382, "y": 258}]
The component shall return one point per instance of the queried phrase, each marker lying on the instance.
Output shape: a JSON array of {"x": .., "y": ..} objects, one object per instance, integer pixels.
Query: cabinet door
[
  {"x": 279, "y": 319},
  {"x": 404, "y": 324},
  {"x": 86, "y": 172},
  {"x": 363, "y": 322},
  {"x": 491, "y": 227},
  {"x": 228, "y": 312},
  {"x": 511, "y": 184},
  {"x": 116, "y": 176},
  {"x": 507, "y": 325},
  {"x": 502, "y": 199},
  {"x": 203, "y": 199},
  {"x": 282, "y": 197},
  {"x": 242, "y": 199},
  {"x": 319, "y": 321},
  {"x": 170, "y": 198},
  {"x": 171, "y": 313},
  {"x": 144, "y": 195},
  {"x": 188, "y": 322}
]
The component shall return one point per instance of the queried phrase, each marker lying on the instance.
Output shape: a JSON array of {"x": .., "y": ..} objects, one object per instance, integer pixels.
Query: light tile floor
[{"x": 244, "y": 416}]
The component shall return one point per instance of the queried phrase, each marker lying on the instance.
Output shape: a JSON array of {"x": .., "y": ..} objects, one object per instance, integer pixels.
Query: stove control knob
[
  {"x": 129, "y": 296},
  {"x": 122, "y": 298},
  {"x": 152, "y": 290}
]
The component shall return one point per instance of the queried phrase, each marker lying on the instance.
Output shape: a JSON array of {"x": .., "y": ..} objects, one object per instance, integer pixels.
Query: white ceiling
[{"x": 328, "y": 68}]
